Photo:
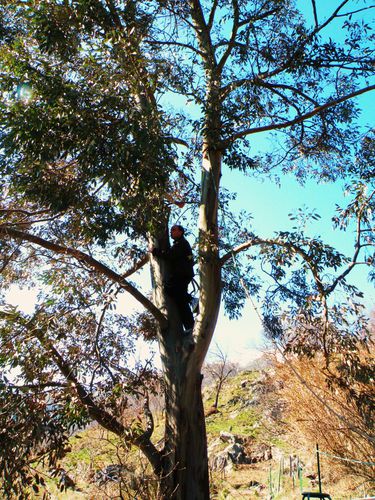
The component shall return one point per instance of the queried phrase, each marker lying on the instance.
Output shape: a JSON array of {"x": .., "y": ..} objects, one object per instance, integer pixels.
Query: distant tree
[
  {"x": 217, "y": 372},
  {"x": 96, "y": 147}
]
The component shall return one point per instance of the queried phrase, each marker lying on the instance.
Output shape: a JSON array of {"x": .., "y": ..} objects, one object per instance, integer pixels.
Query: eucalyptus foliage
[{"x": 114, "y": 115}]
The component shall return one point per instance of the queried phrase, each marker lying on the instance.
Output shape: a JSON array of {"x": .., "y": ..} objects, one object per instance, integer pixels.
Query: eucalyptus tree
[{"x": 95, "y": 150}]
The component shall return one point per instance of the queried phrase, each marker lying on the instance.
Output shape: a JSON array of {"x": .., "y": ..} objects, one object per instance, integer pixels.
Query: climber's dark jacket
[{"x": 180, "y": 259}]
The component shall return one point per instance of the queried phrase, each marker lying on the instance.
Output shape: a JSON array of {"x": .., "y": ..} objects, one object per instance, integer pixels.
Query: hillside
[{"x": 254, "y": 452}]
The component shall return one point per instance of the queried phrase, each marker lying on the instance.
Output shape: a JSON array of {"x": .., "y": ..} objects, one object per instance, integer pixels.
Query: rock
[
  {"x": 236, "y": 453},
  {"x": 260, "y": 453},
  {"x": 313, "y": 478},
  {"x": 227, "y": 437},
  {"x": 64, "y": 481},
  {"x": 244, "y": 383},
  {"x": 233, "y": 454},
  {"x": 276, "y": 453},
  {"x": 114, "y": 473},
  {"x": 220, "y": 461},
  {"x": 253, "y": 402},
  {"x": 235, "y": 400},
  {"x": 258, "y": 487},
  {"x": 254, "y": 487},
  {"x": 215, "y": 444},
  {"x": 253, "y": 484},
  {"x": 211, "y": 411}
]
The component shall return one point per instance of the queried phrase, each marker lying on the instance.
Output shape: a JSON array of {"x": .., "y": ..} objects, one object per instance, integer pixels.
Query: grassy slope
[{"x": 252, "y": 412}]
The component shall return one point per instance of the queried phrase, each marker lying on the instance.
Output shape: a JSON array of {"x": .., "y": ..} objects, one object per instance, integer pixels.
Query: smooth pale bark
[{"x": 184, "y": 457}]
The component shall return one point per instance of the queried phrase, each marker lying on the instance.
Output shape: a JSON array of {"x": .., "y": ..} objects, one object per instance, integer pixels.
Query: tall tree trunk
[{"x": 185, "y": 464}]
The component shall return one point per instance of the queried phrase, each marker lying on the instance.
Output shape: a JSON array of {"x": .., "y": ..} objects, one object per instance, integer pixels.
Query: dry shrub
[{"x": 322, "y": 410}]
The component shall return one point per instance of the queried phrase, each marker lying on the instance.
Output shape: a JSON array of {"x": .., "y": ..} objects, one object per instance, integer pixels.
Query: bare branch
[
  {"x": 35, "y": 386},
  {"x": 235, "y": 26},
  {"x": 8, "y": 260},
  {"x": 294, "y": 90},
  {"x": 203, "y": 33},
  {"x": 22, "y": 211},
  {"x": 315, "y": 13},
  {"x": 262, "y": 83},
  {"x": 253, "y": 19},
  {"x": 356, "y": 11},
  {"x": 212, "y": 14},
  {"x": 149, "y": 419},
  {"x": 329, "y": 19},
  {"x": 175, "y": 44},
  {"x": 177, "y": 140},
  {"x": 137, "y": 266}
]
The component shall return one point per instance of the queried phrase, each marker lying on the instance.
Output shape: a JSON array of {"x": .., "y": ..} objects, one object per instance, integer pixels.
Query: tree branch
[
  {"x": 177, "y": 140},
  {"x": 298, "y": 47},
  {"x": 355, "y": 11},
  {"x": 91, "y": 262},
  {"x": 329, "y": 19},
  {"x": 175, "y": 44},
  {"x": 315, "y": 13},
  {"x": 358, "y": 247},
  {"x": 290, "y": 246},
  {"x": 235, "y": 26},
  {"x": 299, "y": 119},
  {"x": 212, "y": 14},
  {"x": 104, "y": 418},
  {"x": 137, "y": 266},
  {"x": 35, "y": 386},
  {"x": 203, "y": 33},
  {"x": 262, "y": 83},
  {"x": 253, "y": 19},
  {"x": 22, "y": 211},
  {"x": 97, "y": 413}
]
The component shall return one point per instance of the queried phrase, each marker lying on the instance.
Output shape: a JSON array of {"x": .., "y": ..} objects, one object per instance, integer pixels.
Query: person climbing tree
[{"x": 180, "y": 273}]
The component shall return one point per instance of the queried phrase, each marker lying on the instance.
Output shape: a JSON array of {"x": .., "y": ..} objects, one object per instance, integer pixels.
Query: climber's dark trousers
[{"x": 178, "y": 291}]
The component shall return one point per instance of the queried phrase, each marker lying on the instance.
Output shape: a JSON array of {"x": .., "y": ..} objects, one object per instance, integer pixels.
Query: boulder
[
  {"x": 227, "y": 437},
  {"x": 220, "y": 461},
  {"x": 233, "y": 454},
  {"x": 114, "y": 473},
  {"x": 254, "y": 487},
  {"x": 216, "y": 443},
  {"x": 259, "y": 453},
  {"x": 236, "y": 453}
]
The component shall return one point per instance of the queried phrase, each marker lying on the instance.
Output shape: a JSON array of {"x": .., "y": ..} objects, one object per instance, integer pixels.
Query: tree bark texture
[
  {"x": 185, "y": 465},
  {"x": 184, "y": 458},
  {"x": 184, "y": 473}
]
